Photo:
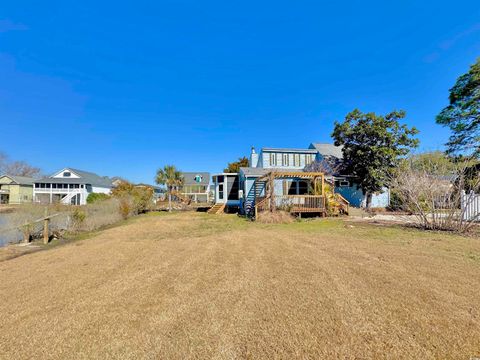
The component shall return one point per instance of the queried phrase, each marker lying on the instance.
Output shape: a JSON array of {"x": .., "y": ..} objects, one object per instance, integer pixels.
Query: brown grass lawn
[{"x": 202, "y": 286}]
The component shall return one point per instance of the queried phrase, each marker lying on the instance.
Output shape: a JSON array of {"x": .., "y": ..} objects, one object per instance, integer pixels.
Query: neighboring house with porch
[
  {"x": 196, "y": 186},
  {"x": 16, "y": 189},
  {"x": 70, "y": 186}
]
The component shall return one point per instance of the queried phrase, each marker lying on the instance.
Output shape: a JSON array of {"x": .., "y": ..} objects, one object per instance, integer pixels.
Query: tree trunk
[
  {"x": 369, "y": 201},
  {"x": 170, "y": 201}
]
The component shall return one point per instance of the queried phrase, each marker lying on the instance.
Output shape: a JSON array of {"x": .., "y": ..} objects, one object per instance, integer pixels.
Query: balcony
[{"x": 58, "y": 190}]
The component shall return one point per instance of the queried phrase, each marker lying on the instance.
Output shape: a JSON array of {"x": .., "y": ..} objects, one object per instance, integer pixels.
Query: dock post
[{"x": 46, "y": 234}]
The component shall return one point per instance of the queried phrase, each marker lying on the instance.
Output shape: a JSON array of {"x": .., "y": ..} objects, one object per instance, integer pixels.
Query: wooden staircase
[
  {"x": 216, "y": 209},
  {"x": 252, "y": 197},
  {"x": 343, "y": 204}
]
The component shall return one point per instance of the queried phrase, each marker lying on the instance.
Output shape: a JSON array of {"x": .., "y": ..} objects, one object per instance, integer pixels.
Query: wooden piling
[{"x": 46, "y": 232}]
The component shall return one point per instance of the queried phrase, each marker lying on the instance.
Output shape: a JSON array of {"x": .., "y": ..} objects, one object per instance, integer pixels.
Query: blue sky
[{"x": 123, "y": 88}]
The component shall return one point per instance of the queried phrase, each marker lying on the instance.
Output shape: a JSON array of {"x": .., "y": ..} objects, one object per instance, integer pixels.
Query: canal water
[{"x": 9, "y": 236}]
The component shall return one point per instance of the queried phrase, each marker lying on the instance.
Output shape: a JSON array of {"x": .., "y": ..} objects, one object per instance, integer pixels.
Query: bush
[
  {"x": 124, "y": 208},
  {"x": 78, "y": 218},
  {"x": 94, "y": 197},
  {"x": 138, "y": 198},
  {"x": 434, "y": 200}
]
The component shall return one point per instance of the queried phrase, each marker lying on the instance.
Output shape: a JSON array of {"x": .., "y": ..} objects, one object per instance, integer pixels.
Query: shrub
[
  {"x": 435, "y": 200},
  {"x": 138, "y": 198},
  {"x": 124, "y": 208},
  {"x": 94, "y": 197},
  {"x": 78, "y": 218}
]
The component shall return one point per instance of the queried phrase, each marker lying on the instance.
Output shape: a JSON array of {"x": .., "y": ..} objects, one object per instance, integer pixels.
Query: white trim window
[
  {"x": 296, "y": 159},
  {"x": 278, "y": 159},
  {"x": 308, "y": 159},
  {"x": 273, "y": 159},
  {"x": 285, "y": 160}
]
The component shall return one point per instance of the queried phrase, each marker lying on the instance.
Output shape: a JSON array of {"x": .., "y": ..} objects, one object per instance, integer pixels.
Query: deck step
[{"x": 216, "y": 209}]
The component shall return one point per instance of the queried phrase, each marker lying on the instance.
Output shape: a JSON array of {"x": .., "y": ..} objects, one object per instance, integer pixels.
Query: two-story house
[
  {"x": 293, "y": 174},
  {"x": 240, "y": 191},
  {"x": 70, "y": 186},
  {"x": 196, "y": 186},
  {"x": 16, "y": 189}
]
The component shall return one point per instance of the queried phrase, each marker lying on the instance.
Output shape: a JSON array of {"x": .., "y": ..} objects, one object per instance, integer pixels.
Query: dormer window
[
  {"x": 67, "y": 174},
  {"x": 273, "y": 159},
  {"x": 296, "y": 160}
]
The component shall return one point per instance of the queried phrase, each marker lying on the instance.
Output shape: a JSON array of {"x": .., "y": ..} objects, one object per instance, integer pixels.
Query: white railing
[
  {"x": 58, "y": 190},
  {"x": 470, "y": 206}
]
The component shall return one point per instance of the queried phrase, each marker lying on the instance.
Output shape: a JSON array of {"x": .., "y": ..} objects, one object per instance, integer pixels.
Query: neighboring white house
[{"x": 70, "y": 186}]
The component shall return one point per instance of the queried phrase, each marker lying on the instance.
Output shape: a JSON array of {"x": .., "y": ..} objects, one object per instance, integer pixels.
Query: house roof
[
  {"x": 189, "y": 178},
  {"x": 326, "y": 149},
  {"x": 303, "y": 151},
  {"x": 20, "y": 180},
  {"x": 86, "y": 177}
]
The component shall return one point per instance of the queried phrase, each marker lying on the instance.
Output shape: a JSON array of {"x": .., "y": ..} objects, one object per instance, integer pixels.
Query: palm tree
[{"x": 172, "y": 178}]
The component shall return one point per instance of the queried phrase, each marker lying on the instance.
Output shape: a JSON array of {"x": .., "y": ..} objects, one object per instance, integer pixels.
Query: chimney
[{"x": 253, "y": 158}]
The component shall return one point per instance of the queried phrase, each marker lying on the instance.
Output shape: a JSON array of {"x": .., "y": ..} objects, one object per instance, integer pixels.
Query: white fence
[{"x": 471, "y": 206}]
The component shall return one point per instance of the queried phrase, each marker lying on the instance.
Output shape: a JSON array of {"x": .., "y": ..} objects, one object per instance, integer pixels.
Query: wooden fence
[{"x": 470, "y": 206}]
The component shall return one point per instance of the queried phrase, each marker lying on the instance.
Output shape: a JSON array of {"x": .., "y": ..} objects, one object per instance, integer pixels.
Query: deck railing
[
  {"x": 300, "y": 203},
  {"x": 59, "y": 190},
  {"x": 292, "y": 203}
]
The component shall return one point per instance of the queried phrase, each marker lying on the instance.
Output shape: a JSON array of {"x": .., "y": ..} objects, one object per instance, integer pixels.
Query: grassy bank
[{"x": 190, "y": 285}]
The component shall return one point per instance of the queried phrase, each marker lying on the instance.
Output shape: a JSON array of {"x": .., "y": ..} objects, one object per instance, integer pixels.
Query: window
[
  {"x": 296, "y": 160},
  {"x": 278, "y": 159},
  {"x": 290, "y": 187},
  {"x": 285, "y": 160},
  {"x": 344, "y": 183},
  {"x": 220, "y": 191},
  {"x": 273, "y": 159},
  {"x": 67, "y": 174},
  {"x": 302, "y": 187}
]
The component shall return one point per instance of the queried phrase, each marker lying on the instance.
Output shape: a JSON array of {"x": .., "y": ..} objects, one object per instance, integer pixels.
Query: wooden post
[
  {"x": 46, "y": 234},
  {"x": 323, "y": 194},
  {"x": 26, "y": 233},
  {"x": 272, "y": 192}
]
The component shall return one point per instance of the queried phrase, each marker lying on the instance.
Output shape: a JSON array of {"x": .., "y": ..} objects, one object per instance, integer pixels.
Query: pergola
[{"x": 295, "y": 203}]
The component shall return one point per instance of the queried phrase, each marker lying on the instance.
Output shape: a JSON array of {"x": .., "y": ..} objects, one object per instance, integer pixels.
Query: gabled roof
[
  {"x": 86, "y": 177},
  {"x": 20, "y": 180},
  {"x": 326, "y": 150},
  {"x": 189, "y": 178}
]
